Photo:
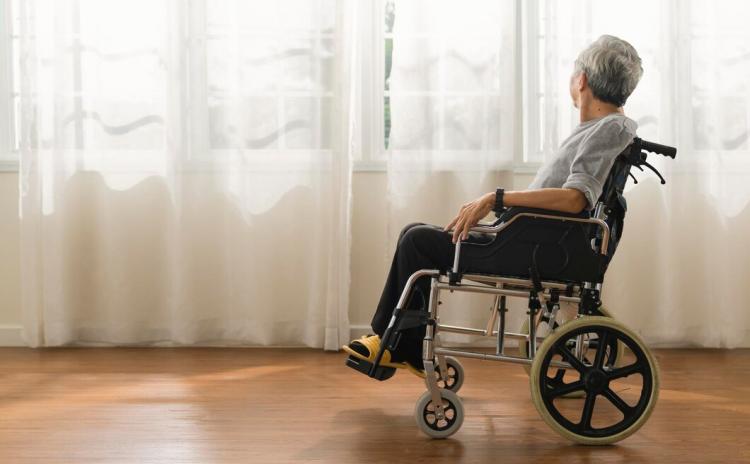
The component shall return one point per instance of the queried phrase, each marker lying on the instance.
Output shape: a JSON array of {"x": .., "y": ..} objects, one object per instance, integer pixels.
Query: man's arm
[
  {"x": 588, "y": 172},
  {"x": 568, "y": 200}
]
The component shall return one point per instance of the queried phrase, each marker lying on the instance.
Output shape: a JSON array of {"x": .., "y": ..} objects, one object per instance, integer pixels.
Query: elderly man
[{"x": 604, "y": 76}]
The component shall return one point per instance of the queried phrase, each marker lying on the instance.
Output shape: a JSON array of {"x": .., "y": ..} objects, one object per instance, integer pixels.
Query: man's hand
[{"x": 470, "y": 214}]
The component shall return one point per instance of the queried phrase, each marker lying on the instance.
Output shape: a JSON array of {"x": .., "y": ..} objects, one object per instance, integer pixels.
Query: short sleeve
[{"x": 595, "y": 157}]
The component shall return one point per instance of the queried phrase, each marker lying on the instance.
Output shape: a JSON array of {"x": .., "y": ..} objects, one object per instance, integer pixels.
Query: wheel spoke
[
  {"x": 637, "y": 366},
  {"x": 588, "y": 411},
  {"x": 566, "y": 388},
  {"x": 558, "y": 378},
  {"x": 601, "y": 349},
  {"x": 618, "y": 402},
  {"x": 571, "y": 359},
  {"x": 613, "y": 348}
]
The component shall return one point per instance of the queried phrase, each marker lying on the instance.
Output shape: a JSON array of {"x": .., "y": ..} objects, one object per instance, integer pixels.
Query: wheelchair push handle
[
  {"x": 659, "y": 149},
  {"x": 636, "y": 154}
]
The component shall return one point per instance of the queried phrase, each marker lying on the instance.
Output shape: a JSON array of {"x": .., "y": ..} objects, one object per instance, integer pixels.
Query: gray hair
[{"x": 612, "y": 67}]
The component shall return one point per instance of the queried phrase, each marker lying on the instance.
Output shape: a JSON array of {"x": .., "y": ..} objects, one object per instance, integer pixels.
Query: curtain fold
[
  {"x": 186, "y": 171},
  {"x": 185, "y": 167},
  {"x": 454, "y": 113}
]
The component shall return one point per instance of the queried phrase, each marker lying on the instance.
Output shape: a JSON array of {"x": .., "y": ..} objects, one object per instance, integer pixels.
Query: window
[
  {"x": 209, "y": 77},
  {"x": 458, "y": 97},
  {"x": 717, "y": 66},
  {"x": 266, "y": 90},
  {"x": 286, "y": 77},
  {"x": 105, "y": 83}
]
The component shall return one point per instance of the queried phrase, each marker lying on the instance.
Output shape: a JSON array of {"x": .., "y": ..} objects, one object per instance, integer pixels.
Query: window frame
[
  {"x": 9, "y": 159},
  {"x": 199, "y": 155},
  {"x": 373, "y": 153},
  {"x": 527, "y": 80}
]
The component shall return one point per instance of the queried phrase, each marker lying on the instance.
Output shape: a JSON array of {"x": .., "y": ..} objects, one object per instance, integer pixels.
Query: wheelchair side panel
[{"x": 560, "y": 250}]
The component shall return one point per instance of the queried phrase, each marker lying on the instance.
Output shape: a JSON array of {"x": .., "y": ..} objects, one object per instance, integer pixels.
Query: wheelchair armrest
[
  {"x": 514, "y": 210},
  {"x": 510, "y": 214}
]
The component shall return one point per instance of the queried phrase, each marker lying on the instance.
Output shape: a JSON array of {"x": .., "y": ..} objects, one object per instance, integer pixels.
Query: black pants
[{"x": 422, "y": 246}]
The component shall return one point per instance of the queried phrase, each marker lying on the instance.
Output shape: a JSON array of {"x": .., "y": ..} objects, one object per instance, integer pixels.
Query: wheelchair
[{"x": 592, "y": 379}]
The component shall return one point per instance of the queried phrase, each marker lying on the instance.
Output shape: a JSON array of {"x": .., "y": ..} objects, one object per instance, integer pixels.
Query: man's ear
[{"x": 583, "y": 81}]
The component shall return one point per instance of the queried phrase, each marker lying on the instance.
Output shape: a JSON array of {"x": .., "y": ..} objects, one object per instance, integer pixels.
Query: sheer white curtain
[
  {"x": 185, "y": 171},
  {"x": 681, "y": 272},
  {"x": 453, "y": 107}
]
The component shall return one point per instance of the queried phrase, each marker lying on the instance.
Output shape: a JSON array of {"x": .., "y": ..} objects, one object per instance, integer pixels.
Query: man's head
[{"x": 607, "y": 70}]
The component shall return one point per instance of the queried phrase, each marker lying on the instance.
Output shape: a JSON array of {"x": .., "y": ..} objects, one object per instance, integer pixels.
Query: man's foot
[{"x": 367, "y": 347}]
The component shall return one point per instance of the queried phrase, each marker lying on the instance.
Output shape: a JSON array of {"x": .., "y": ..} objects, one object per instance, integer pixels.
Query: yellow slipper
[{"x": 366, "y": 349}]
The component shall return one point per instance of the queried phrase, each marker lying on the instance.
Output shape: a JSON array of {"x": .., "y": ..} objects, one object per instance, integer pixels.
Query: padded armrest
[
  {"x": 512, "y": 211},
  {"x": 509, "y": 213}
]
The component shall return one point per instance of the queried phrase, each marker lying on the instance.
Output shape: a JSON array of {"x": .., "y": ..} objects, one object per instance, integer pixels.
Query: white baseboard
[
  {"x": 11, "y": 335},
  {"x": 357, "y": 331}
]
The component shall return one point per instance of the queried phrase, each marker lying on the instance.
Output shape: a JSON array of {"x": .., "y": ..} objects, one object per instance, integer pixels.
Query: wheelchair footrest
[{"x": 381, "y": 373}]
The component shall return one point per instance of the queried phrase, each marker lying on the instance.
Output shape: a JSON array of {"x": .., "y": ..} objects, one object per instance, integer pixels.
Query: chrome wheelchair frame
[{"x": 439, "y": 412}]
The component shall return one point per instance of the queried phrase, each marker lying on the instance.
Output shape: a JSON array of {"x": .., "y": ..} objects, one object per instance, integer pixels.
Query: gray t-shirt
[{"x": 584, "y": 159}]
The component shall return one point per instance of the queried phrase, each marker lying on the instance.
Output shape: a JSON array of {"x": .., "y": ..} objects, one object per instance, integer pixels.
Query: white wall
[
  {"x": 370, "y": 255},
  {"x": 10, "y": 290}
]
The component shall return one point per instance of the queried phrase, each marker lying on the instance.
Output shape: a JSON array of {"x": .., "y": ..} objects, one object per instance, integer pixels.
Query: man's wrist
[{"x": 489, "y": 199}]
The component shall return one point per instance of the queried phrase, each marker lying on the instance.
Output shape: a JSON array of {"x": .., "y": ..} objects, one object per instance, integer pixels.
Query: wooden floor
[{"x": 208, "y": 405}]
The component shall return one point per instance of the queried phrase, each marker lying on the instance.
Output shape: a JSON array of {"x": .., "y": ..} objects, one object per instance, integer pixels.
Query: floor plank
[{"x": 210, "y": 405}]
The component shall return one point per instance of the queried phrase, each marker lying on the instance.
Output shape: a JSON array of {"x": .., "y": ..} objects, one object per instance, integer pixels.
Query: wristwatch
[{"x": 498, "y": 208}]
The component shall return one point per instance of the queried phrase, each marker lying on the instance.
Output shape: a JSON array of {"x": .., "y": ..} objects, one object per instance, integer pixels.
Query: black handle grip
[{"x": 659, "y": 148}]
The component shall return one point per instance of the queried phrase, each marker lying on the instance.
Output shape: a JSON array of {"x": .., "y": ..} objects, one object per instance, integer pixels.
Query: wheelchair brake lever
[{"x": 655, "y": 172}]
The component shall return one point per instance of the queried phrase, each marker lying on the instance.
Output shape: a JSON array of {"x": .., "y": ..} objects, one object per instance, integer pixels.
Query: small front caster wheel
[
  {"x": 427, "y": 418},
  {"x": 451, "y": 380}
]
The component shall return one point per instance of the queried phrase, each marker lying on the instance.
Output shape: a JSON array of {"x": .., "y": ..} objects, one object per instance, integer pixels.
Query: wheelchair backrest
[{"x": 611, "y": 205}]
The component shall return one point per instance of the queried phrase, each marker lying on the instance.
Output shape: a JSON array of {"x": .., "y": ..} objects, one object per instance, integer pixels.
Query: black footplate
[{"x": 381, "y": 373}]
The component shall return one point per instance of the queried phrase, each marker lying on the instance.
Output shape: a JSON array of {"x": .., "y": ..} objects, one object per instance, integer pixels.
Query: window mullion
[
  {"x": 372, "y": 93},
  {"x": 528, "y": 75}
]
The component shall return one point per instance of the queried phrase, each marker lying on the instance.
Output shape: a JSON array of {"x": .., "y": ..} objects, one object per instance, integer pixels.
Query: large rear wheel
[{"x": 615, "y": 402}]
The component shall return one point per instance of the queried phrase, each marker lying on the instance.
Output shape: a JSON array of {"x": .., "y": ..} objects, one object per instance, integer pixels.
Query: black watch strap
[{"x": 498, "y": 208}]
